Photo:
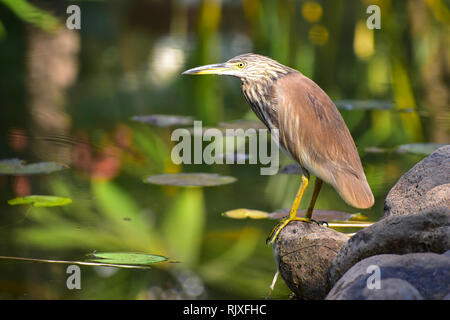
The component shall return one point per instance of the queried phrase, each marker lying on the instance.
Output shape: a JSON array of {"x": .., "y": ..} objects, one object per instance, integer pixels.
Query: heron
[{"x": 310, "y": 129}]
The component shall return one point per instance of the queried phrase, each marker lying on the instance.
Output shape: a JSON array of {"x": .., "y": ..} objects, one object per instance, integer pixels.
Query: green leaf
[
  {"x": 246, "y": 213},
  {"x": 125, "y": 258},
  {"x": 190, "y": 179},
  {"x": 18, "y": 167},
  {"x": 30, "y": 13},
  {"x": 40, "y": 201},
  {"x": 183, "y": 225}
]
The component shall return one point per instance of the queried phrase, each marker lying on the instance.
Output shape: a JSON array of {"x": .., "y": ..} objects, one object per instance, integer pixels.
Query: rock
[
  {"x": 425, "y": 186},
  {"x": 427, "y": 231},
  {"x": 303, "y": 253},
  {"x": 416, "y": 220},
  {"x": 413, "y": 276},
  {"x": 392, "y": 289}
]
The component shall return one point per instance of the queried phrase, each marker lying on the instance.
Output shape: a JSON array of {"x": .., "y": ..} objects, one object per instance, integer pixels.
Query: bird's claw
[
  {"x": 280, "y": 225},
  {"x": 320, "y": 222}
]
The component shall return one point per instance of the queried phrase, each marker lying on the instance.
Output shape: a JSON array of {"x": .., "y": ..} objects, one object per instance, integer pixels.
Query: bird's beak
[{"x": 219, "y": 68}]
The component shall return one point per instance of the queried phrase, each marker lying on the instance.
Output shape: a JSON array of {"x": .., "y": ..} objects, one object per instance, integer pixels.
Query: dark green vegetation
[{"x": 79, "y": 100}]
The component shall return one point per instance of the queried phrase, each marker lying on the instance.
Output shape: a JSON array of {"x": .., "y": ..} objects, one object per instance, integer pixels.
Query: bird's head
[{"x": 247, "y": 67}]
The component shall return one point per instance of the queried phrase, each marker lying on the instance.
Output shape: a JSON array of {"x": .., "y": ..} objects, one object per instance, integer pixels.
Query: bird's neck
[{"x": 261, "y": 99}]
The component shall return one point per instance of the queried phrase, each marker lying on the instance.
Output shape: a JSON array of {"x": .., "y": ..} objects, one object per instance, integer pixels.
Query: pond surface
[{"x": 79, "y": 107}]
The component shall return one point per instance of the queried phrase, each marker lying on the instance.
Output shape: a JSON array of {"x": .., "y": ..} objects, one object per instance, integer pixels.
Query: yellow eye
[{"x": 241, "y": 65}]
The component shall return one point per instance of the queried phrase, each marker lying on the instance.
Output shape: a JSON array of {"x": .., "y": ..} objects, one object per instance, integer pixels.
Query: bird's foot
[
  {"x": 280, "y": 225},
  {"x": 320, "y": 222}
]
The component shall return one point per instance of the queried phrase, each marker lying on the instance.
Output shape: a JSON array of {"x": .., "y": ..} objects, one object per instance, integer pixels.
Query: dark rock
[
  {"x": 303, "y": 253},
  {"x": 411, "y": 276},
  {"x": 393, "y": 289},
  {"x": 416, "y": 220},
  {"x": 427, "y": 231},
  {"x": 425, "y": 186}
]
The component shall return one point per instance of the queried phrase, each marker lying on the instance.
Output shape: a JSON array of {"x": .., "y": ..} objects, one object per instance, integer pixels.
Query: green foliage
[
  {"x": 31, "y": 14},
  {"x": 126, "y": 258},
  {"x": 183, "y": 226},
  {"x": 40, "y": 201}
]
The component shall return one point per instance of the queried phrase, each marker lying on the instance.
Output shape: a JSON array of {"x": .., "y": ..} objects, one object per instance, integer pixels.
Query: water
[{"x": 70, "y": 98}]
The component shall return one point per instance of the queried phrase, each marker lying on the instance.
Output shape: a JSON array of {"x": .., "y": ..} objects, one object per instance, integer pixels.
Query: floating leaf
[
  {"x": 292, "y": 169},
  {"x": 203, "y": 131},
  {"x": 212, "y": 132},
  {"x": 125, "y": 258},
  {"x": 412, "y": 148},
  {"x": 41, "y": 201},
  {"x": 229, "y": 129},
  {"x": 325, "y": 215},
  {"x": 245, "y": 213},
  {"x": 161, "y": 120},
  {"x": 350, "y": 224},
  {"x": 190, "y": 179},
  {"x": 236, "y": 157},
  {"x": 18, "y": 167},
  {"x": 364, "y": 104},
  {"x": 376, "y": 150},
  {"x": 418, "y": 148},
  {"x": 358, "y": 217},
  {"x": 242, "y": 124}
]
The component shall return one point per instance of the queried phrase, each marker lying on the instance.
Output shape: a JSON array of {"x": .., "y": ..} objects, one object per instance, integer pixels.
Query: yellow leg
[
  {"x": 292, "y": 214},
  {"x": 317, "y": 186}
]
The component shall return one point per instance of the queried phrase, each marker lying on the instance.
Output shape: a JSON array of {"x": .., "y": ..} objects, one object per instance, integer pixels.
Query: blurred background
[{"x": 69, "y": 96}]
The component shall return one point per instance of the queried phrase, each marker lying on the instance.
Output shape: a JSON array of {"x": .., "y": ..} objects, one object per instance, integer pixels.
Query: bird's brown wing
[{"x": 314, "y": 133}]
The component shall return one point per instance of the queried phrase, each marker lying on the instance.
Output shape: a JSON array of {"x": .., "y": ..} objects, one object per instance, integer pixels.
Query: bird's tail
[{"x": 354, "y": 190}]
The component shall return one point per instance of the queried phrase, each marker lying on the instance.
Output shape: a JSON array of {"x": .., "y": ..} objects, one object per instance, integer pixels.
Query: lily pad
[
  {"x": 246, "y": 213},
  {"x": 291, "y": 169},
  {"x": 350, "y": 224},
  {"x": 236, "y": 157},
  {"x": 40, "y": 201},
  {"x": 364, "y": 104},
  {"x": 411, "y": 148},
  {"x": 326, "y": 215},
  {"x": 418, "y": 148},
  {"x": 242, "y": 124},
  {"x": 340, "y": 219},
  {"x": 223, "y": 127},
  {"x": 358, "y": 217},
  {"x": 19, "y": 167},
  {"x": 376, "y": 150},
  {"x": 190, "y": 179},
  {"x": 161, "y": 120},
  {"x": 125, "y": 258}
]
